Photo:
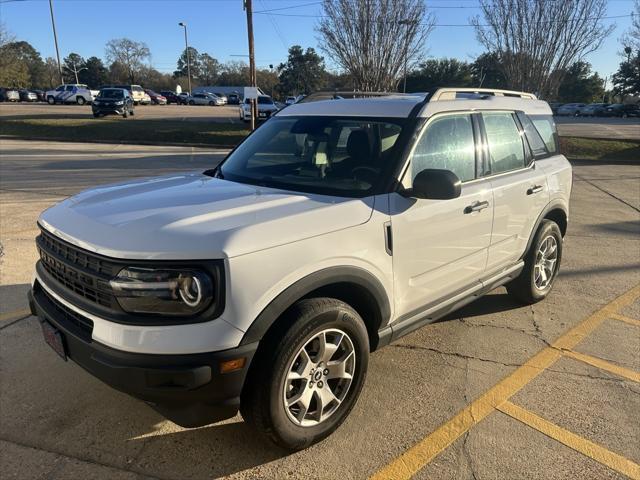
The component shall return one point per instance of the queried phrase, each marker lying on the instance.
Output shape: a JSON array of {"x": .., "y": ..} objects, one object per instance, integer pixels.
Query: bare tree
[
  {"x": 631, "y": 38},
  {"x": 374, "y": 40},
  {"x": 537, "y": 40},
  {"x": 129, "y": 54},
  {"x": 5, "y": 35}
]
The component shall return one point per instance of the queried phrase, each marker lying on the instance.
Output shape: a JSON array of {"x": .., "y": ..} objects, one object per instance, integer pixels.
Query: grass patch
[
  {"x": 132, "y": 130},
  {"x": 575, "y": 148}
]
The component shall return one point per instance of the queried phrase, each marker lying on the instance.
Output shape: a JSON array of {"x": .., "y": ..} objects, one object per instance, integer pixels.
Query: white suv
[
  {"x": 336, "y": 227},
  {"x": 70, "y": 93}
]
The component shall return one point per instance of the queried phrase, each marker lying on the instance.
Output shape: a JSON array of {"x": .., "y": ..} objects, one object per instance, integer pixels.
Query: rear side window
[
  {"x": 538, "y": 146},
  {"x": 447, "y": 144},
  {"x": 506, "y": 149},
  {"x": 546, "y": 127}
]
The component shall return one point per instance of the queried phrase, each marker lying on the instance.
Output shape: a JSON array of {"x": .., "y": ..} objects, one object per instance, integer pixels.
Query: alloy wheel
[
  {"x": 546, "y": 262},
  {"x": 319, "y": 377}
]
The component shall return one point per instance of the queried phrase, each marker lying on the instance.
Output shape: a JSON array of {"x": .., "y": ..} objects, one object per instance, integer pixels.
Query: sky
[{"x": 219, "y": 28}]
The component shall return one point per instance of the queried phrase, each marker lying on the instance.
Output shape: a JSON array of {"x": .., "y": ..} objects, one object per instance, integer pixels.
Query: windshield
[
  {"x": 111, "y": 93},
  {"x": 343, "y": 156}
]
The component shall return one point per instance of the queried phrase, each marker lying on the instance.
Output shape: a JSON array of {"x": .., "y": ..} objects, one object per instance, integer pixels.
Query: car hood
[{"x": 194, "y": 216}]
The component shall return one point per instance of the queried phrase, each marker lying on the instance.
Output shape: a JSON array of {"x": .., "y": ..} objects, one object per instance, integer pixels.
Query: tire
[
  {"x": 125, "y": 114},
  {"x": 80, "y": 100},
  {"x": 51, "y": 100},
  {"x": 624, "y": 115},
  {"x": 211, "y": 104},
  {"x": 191, "y": 102},
  {"x": 132, "y": 112},
  {"x": 266, "y": 389},
  {"x": 96, "y": 115},
  {"x": 529, "y": 286}
]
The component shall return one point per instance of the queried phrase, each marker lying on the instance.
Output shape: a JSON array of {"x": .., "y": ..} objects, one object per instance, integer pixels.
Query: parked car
[
  {"x": 266, "y": 108},
  {"x": 171, "y": 97},
  {"x": 156, "y": 98},
  {"x": 42, "y": 95},
  {"x": 264, "y": 284},
  {"x": 593, "y": 110},
  {"x": 204, "y": 99},
  {"x": 70, "y": 93},
  {"x": 27, "y": 95},
  {"x": 9, "y": 95},
  {"x": 233, "y": 99},
  {"x": 572, "y": 109},
  {"x": 184, "y": 97},
  {"x": 222, "y": 97},
  {"x": 554, "y": 107},
  {"x": 116, "y": 101},
  {"x": 623, "y": 110},
  {"x": 290, "y": 100}
]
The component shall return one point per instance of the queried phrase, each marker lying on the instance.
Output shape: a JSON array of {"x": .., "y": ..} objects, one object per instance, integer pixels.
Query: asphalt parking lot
[{"x": 495, "y": 391}]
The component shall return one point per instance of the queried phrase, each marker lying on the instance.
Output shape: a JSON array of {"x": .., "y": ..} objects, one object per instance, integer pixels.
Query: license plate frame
[{"x": 55, "y": 339}]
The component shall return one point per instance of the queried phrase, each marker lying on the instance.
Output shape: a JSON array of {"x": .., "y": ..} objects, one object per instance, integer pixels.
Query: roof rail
[
  {"x": 451, "y": 93},
  {"x": 343, "y": 94}
]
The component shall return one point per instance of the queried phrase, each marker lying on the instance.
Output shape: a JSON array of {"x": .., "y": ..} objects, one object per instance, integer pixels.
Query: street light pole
[
  {"x": 55, "y": 40},
  {"x": 186, "y": 47},
  {"x": 406, "y": 22},
  {"x": 76, "y": 70}
]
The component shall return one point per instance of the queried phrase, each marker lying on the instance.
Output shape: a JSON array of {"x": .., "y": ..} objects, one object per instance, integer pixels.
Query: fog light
[{"x": 232, "y": 365}]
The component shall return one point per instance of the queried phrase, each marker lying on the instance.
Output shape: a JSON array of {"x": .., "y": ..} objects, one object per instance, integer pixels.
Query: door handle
[
  {"x": 535, "y": 189},
  {"x": 476, "y": 207}
]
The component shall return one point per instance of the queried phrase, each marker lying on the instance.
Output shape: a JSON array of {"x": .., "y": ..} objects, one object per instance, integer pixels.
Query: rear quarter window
[{"x": 546, "y": 127}]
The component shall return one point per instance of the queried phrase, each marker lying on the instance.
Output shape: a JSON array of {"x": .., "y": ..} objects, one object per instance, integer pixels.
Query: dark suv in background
[
  {"x": 623, "y": 110},
  {"x": 172, "y": 97},
  {"x": 113, "y": 100}
]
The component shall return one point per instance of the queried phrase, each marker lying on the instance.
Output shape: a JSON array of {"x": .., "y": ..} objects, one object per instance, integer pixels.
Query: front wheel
[
  {"x": 191, "y": 102},
  {"x": 51, "y": 100},
  {"x": 541, "y": 265},
  {"x": 307, "y": 379}
]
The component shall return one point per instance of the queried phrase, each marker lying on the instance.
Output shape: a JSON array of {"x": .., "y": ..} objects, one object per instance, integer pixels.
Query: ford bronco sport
[{"x": 338, "y": 226}]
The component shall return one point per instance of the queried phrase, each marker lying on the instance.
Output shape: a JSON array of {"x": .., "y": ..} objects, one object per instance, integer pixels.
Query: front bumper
[
  {"x": 189, "y": 390},
  {"x": 106, "y": 109}
]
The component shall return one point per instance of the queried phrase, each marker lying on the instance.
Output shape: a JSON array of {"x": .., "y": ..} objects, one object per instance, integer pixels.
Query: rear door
[
  {"x": 440, "y": 246},
  {"x": 520, "y": 190}
]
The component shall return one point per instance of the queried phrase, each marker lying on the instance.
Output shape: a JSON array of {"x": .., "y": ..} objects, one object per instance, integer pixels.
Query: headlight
[
  {"x": 162, "y": 291},
  {"x": 121, "y": 102}
]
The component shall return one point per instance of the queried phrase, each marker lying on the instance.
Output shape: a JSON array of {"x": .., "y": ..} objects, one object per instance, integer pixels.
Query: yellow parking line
[
  {"x": 571, "y": 440},
  {"x": 604, "y": 365},
  {"x": 14, "y": 315},
  {"x": 422, "y": 453},
  {"x": 624, "y": 318}
]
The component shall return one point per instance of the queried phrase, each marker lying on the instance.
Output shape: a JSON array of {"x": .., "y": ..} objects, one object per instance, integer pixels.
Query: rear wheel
[
  {"x": 307, "y": 379},
  {"x": 80, "y": 100},
  {"x": 191, "y": 102},
  {"x": 51, "y": 100},
  {"x": 541, "y": 265}
]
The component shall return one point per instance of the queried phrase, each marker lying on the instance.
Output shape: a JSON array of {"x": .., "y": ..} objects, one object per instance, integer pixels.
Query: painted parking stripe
[
  {"x": 624, "y": 318},
  {"x": 604, "y": 365},
  {"x": 417, "y": 457},
  {"x": 571, "y": 440}
]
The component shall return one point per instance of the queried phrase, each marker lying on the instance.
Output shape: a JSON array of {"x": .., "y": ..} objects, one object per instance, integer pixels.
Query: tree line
[{"x": 532, "y": 45}]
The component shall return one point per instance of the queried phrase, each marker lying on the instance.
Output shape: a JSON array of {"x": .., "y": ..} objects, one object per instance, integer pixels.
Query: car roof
[{"x": 401, "y": 105}]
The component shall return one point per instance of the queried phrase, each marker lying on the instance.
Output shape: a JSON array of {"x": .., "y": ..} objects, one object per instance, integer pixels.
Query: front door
[{"x": 440, "y": 246}]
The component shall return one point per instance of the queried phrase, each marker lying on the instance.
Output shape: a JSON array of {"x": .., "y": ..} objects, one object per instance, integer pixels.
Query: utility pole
[
  {"x": 407, "y": 22},
  {"x": 252, "y": 61},
  {"x": 55, "y": 40},
  {"x": 186, "y": 49}
]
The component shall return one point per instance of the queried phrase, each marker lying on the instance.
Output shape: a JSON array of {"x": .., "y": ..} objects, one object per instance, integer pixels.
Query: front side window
[
  {"x": 506, "y": 150},
  {"x": 447, "y": 144},
  {"x": 342, "y": 156}
]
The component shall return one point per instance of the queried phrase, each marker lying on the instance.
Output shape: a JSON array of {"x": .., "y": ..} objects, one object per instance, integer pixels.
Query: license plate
[{"x": 54, "y": 338}]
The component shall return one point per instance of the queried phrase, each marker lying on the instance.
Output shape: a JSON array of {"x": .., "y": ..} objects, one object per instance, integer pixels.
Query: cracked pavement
[{"x": 56, "y": 421}]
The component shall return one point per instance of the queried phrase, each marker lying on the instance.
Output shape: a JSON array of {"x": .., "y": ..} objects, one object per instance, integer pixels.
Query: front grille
[
  {"x": 68, "y": 319},
  {"x": 79, "y": 271}
]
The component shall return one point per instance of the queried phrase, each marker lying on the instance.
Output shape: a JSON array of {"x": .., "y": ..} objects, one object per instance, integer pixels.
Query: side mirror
[{"x": 435, "y": 184}]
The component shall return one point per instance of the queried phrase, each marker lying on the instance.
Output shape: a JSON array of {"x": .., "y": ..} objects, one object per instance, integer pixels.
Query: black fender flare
[
  {"x": 553, "y": 205},
  {"x": 314, "y": 281}
]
